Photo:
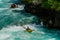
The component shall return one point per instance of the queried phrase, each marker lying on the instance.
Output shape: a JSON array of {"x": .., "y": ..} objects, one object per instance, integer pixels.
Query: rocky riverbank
[{"x": 50, "y": 17}]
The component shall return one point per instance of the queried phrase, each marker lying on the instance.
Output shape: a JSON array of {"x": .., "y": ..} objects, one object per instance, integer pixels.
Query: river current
[{"x": 13, "y": 20}]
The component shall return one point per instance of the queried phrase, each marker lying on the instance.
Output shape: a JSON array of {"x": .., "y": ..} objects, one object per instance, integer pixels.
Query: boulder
[{"x": 13, "y": 6}]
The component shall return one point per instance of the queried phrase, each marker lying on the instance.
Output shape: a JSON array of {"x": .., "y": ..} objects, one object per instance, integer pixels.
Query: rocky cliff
[{"x": 50, "y": 17}]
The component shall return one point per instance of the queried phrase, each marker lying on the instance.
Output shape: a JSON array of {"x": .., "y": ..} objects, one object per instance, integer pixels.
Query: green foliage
[
  {"x": 31, "y": 1},
  {"x": 27, "y": 1},
  {"x": 45, "y": 5},
  {"x": 54, "y": 4}
]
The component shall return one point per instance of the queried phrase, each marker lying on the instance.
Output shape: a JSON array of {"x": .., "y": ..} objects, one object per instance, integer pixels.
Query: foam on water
[
  {"x": 1, "y": 1},
  {"x": 3, "y": 9},
  {"x": 52, "y": 39},
  {"x": 4, "y": 36},
  {"x": 13, "y": 32},
  {"x": 11, "y": 21},
  {"x": 17, "y": 32}
]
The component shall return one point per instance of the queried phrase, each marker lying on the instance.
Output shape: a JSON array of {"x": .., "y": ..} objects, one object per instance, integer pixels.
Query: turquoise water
[{"x": 12, "y": 19}]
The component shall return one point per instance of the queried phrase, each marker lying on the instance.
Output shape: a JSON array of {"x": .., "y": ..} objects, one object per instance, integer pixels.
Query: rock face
[{"x": 50, "y": 17}]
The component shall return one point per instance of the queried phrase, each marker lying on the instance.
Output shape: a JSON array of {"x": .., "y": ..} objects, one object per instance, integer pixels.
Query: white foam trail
[
  {"x": 4, "y": 36},
  {"x": 5, "y": 0},
  {"x": 4, "y": 8},
  {"x": 14, "y": 28},
  {"x": 6, "y": 33},
  {"x": 20, "y": 7},
  {"x": 12, "y": 32},
  {"x": 17, "y": 8},
  {"x": 52, "y": 39},
  {"x": 41, "y": 23},
  {"x": 1, "y": 1}
]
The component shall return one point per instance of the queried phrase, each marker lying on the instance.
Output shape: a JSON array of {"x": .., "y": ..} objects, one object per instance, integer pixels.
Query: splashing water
[
  {"x": 14, "y": 32},
  {"x": 12, "y": 19}
]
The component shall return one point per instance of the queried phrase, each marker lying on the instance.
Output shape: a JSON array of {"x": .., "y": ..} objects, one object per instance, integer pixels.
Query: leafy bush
[{"x": 54, "y": 4}]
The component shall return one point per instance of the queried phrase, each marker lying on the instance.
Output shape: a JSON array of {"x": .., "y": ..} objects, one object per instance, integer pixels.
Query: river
[{"x": 13, "y": 20}]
